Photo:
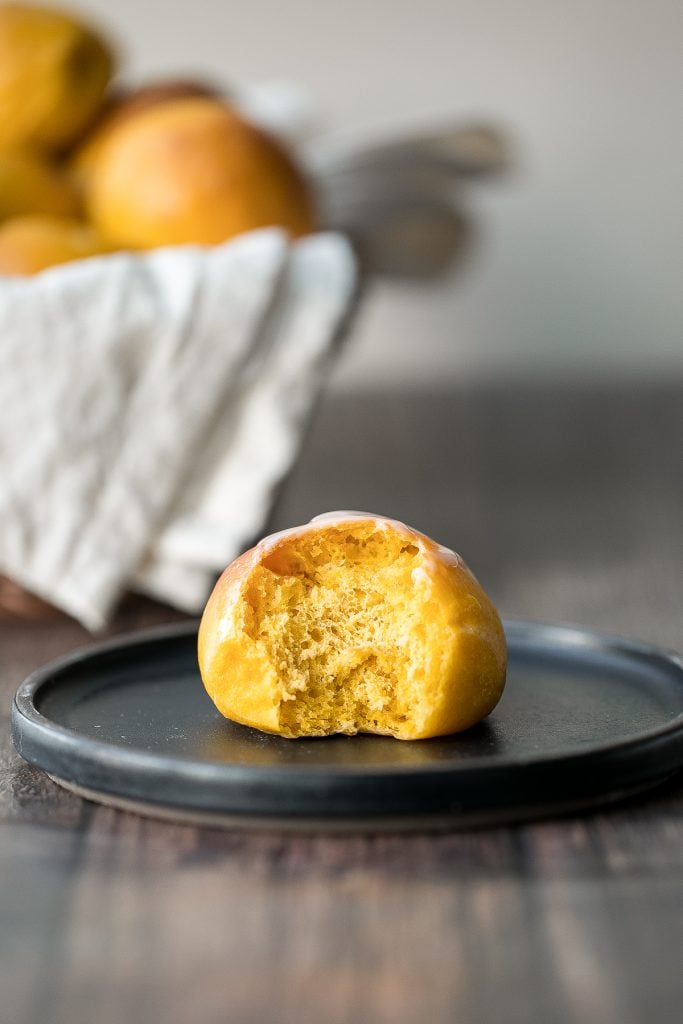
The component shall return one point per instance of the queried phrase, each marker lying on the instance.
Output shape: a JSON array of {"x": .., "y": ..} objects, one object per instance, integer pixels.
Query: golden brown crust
[
  {"x": 209, "y": 635},
  {"x": 193, "y": 171}
]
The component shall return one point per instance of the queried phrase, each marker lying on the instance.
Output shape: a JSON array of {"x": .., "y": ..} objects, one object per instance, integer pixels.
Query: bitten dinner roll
[{"x": 352, "y": 623}]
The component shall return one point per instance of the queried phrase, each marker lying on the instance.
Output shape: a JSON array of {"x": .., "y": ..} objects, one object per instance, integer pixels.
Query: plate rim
[{"x": 25, "y": 715}]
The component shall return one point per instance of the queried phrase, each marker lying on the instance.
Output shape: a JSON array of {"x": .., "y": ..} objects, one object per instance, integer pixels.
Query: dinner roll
[{"x": 352, "y": 623}]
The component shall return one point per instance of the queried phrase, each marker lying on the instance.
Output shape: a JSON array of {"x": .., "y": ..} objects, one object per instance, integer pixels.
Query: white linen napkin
[
  {"x": 149, "y": 404},
  {"x": 227, "y": 497}
]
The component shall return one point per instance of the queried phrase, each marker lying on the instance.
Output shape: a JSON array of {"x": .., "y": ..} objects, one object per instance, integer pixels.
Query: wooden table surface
[{"x": 567, "y": 503}]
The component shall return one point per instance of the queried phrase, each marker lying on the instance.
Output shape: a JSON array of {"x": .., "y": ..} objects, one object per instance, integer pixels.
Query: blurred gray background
[{"x": 577, "y": 264}]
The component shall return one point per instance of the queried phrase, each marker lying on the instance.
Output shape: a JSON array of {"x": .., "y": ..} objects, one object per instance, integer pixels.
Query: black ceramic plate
[{"x": 584, "y": 719}]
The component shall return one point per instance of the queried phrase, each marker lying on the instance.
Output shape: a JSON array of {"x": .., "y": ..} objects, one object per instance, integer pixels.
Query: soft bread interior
[{"x": 341, "y": 614}]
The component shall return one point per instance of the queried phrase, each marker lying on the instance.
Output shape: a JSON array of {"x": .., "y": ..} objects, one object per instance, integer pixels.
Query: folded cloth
[
  {"x": 228, "y": 495},
  {"x": 143, "y": 422}
]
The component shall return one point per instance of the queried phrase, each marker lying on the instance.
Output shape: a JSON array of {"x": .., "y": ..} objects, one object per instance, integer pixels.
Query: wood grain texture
[{"x": 568, "y": 503}]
